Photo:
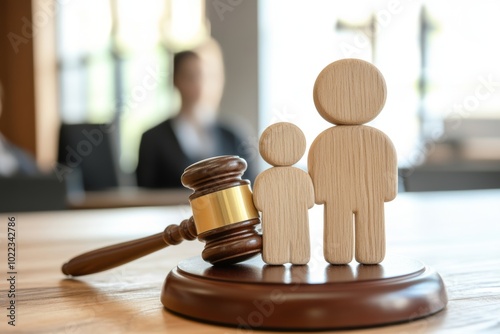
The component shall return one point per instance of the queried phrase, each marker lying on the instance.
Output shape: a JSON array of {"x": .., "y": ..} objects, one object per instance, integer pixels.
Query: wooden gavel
[{"x": 224, "y": 216}]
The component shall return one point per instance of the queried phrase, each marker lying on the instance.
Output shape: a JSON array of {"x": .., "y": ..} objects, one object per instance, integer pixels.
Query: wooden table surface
[{"x": 456, "y": 233}]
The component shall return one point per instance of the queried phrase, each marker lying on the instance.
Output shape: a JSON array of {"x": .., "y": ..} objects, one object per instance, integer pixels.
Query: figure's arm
[
  {"x": 258, "y": 193},
  {"x": 310, "y": 192},
  {"x": 391, "y": 176},
  {"x": 314, "y": 171}
]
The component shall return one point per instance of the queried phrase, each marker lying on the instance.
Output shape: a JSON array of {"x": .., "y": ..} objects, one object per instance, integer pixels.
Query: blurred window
[
  {"x": 440, "y": 62},
  {"x": 114, "y": 63}
]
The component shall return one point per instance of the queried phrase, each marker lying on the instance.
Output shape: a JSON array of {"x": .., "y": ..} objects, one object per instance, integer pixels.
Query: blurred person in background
[
  {"x": 195, "y": 132},
  {"x": 14, "y": 160}
]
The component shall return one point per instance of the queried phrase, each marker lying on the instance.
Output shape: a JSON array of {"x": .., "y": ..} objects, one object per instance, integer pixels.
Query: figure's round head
[
  {"x": 282, "y": 144},
  {"x": 349, "y": 92}
]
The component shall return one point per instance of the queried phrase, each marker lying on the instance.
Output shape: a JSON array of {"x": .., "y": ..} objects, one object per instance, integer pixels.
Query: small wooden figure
[
  {"x": 284, "y": 194},
  {"x": 353, "y": 166}
]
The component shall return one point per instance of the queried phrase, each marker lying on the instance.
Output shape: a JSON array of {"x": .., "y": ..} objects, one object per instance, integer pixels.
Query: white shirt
[{"x": 195, "y": 141}]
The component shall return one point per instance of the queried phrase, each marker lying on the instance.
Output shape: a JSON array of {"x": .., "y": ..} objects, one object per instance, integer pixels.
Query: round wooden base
[{"x": 254, "y": 295}]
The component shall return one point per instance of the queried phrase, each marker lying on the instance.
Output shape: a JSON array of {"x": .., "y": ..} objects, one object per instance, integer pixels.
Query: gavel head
[{"x": 223, "y": 209}]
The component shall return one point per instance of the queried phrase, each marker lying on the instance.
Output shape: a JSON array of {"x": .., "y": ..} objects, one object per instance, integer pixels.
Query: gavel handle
[{"x": 116, "y": 255}]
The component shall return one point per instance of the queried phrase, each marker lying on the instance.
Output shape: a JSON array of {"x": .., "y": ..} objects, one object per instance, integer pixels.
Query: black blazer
[{"x": 162, "y": 161}]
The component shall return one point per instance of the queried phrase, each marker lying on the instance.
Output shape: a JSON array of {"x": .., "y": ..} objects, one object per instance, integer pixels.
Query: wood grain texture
[
  {"x": 312, "y": 297},
  {"x": 353, "y": 167},
  {"x": 284, "y": 194},
  {"x": 282, "y": 144},
  {"x": 456, "y": 233},
  {"x": 115, "y": 255},
  {"x": 349, "y": 91},
  {"x": 354, "y": 171}
]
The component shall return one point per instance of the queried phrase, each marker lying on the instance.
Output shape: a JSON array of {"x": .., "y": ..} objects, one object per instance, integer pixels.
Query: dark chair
[
  {"x": 21, "y": 193},
  {"x": 86, "y": 158}
]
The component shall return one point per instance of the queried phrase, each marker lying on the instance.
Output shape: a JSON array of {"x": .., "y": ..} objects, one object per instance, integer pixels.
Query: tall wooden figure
[
  {"x": 284, "y": 195},
  {"x": 353, "y": 166}
]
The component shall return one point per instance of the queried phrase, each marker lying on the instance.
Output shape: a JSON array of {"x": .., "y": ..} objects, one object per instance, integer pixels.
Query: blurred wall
[
  {"x": 234, "y": 24},
  {"x": 17, "y": 121}
]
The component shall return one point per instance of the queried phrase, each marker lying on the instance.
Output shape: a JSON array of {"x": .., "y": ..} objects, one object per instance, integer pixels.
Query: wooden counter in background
[
  {"x": 456, "y": 233},
  {"x": 128, "y": 197}
]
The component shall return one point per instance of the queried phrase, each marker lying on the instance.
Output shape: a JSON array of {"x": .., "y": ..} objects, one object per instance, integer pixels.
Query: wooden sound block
[{"x": 254, "y": 295}]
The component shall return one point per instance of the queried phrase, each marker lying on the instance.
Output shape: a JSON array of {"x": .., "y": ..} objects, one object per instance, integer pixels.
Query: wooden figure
[
  {"x": 353, "y": 166},
  {"x": 284, "y": 194}
]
